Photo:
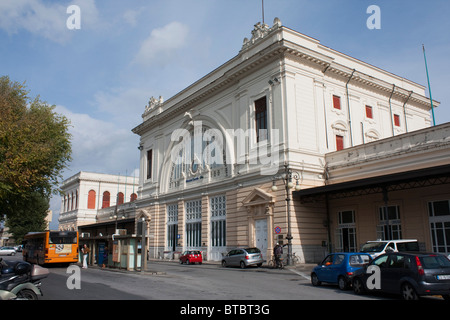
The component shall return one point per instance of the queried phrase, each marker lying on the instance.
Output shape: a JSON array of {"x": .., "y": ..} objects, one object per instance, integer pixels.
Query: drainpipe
[
  {"x": 404, "y": 110},
  {"x": 390, "y": 110},
  {"x": 348, "y": 107}
]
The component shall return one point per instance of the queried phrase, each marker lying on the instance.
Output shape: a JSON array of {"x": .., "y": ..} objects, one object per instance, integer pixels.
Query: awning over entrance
[{"x": 399, "y": 181}]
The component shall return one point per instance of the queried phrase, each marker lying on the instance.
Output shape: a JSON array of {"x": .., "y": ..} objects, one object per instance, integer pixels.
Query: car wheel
[
  {"x": 358, "y": 286},
  {"x": 224, "y": 263},
  {"x": 342, "y": 283},
  {"x": 315, "y": 280},
  {"x": 13, "y": 253},
  {"x": 242, "y": 265},
  {"x": 408, "y": 292},
  {"x": 181, "y": 261},
  {"x": 187, "y": 261}
]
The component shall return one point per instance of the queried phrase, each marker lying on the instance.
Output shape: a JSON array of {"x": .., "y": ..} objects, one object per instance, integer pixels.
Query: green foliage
[
  {"x": 29, "y": 215},
  {"x": 34, "y": 149}
]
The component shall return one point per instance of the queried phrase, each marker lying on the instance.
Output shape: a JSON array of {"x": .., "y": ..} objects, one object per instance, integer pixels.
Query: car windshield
[
  {"x": 373, "y": 247},
  {"x": 253, "y": 250},
  {"x": 435, "y": 262}
]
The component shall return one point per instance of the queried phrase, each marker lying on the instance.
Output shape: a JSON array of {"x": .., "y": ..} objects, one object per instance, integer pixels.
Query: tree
[
  {"x": 34, "y": 148},
  {"x": 30, "y": 212}
]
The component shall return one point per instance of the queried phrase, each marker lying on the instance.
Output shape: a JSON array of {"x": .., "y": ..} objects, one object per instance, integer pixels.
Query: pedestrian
[
  {"x": 277, "y": 252},
  {"x": 85, "y": 251}
]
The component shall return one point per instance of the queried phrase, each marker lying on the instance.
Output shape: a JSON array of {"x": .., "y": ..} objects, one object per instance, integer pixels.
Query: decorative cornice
[{"x": 241, "y": 65}]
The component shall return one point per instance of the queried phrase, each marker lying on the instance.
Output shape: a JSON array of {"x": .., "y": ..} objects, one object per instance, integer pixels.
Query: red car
[{"x": 191, "y": 256}]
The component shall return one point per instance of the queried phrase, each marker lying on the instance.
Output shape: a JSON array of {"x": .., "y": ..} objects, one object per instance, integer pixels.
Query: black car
[{"x": 409, "y": 274}]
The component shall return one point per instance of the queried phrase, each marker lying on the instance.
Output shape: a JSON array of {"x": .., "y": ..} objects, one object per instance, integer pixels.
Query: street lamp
[{"x": 287, "y": 177}]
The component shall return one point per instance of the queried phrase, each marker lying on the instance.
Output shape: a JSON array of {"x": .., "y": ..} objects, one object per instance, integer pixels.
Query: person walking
[{"x": 85, "y": 252}]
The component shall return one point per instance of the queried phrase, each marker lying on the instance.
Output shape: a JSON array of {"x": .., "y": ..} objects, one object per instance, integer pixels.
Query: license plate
[{"x": 443, "y": 277}]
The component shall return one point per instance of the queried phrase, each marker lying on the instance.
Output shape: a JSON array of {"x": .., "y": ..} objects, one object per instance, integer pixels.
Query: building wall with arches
[{"x": 85, "y": 194}]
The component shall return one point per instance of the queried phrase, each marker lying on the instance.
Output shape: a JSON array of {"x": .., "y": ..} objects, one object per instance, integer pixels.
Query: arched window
[
  {"x": 133, "y": 197},
  {"x": 91, "y": 199},
  {"x": 120, "y": 198},
  {"x": 106, "y": 198}
]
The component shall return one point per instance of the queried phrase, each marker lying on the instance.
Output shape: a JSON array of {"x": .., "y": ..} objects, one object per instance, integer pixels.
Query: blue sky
[{"x": 102, "y": 75}]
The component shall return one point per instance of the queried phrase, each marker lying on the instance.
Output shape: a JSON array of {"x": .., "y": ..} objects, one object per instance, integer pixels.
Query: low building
[
  {"x": 90, "y": 197},
  {"x": 395, "y": 188}
]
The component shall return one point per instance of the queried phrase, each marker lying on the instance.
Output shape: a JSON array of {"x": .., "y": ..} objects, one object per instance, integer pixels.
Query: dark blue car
[{"x": 338, "y": 268}]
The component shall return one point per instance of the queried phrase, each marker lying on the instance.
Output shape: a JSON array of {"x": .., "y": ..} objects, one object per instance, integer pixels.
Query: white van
[{"x": 377, "y": 247}]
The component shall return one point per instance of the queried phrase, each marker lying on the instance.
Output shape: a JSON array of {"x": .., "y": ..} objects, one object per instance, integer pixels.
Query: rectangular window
[
  {"x": 390, "y": 227},
  {"x": 193, "y": 223},
  {"x": 149, "y": 163},
  {"x": 439, "y": 212},
  {"x": 172, "y": 226},
  {"x": 396, "y": 120},
  {"x": 369, "y": 112},
  {"x": 339, "y": 143},
  {"x": 218, "y": 210},
  {"x": 261, "y": 119},
  {"x": 337, "y": 102}
]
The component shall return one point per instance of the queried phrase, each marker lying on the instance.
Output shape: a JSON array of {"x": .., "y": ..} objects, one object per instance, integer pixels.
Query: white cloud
[
  {"x": 162, "y": 44},
  {"x": 100, "y": 146},
  {"x": 43, "y": 19}
]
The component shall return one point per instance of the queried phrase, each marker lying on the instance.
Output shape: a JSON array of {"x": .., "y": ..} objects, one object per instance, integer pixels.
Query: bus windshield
[{"x": 62, "y": 238}]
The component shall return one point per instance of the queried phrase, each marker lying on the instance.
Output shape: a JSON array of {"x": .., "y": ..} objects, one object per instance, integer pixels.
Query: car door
[
  {"x": 324, "y": 272},
  {"x": 335, "y": 268}
]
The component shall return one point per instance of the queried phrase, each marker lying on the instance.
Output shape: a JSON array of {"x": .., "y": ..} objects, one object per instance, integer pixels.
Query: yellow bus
[{"x": 51, "y": 247}]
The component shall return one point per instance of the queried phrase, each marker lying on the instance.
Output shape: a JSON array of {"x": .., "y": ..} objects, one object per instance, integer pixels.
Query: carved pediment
[{"x": 258, "y": 197}]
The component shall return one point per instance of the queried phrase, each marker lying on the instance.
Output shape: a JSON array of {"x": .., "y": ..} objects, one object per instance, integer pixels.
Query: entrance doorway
[{"x": 261, "y": 236}]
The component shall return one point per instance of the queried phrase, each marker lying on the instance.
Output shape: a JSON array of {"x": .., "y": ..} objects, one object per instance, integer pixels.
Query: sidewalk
[{"x": 302, "y": 269}]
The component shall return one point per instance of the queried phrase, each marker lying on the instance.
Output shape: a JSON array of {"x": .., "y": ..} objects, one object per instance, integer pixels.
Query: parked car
[
  {"x": 408, "y": 274},
  {"x": 243, "y": 258},
  {"x": 339, "y": 268},
  {"x": 7, "y": 251},
  {"x": 378, "y": 247},
  {"x": 191, "y": 256}
]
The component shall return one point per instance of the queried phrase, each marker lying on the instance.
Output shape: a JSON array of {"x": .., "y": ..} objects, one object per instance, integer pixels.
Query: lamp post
[{"x": 287, "y": 177}]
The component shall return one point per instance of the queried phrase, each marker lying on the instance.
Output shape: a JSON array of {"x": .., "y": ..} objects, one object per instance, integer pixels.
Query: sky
[{"x": 100, "y": 65}]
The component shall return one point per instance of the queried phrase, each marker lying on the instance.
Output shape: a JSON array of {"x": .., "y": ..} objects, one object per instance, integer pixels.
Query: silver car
[
  {"x": 7, "y": 251},
  {"x": 243, "y": 258}
]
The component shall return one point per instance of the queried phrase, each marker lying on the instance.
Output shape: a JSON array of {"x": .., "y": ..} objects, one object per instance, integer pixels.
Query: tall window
[
  {"x": 346, "y": 232},
  {"x": 106, "y": 199},
  {"x": 339, "y": 142},
  {"x": 261, "y": 119},
  {"x": 133, "y": 197},
  {"x": 91, "y": 199},
  {"x": 369, "y": 112},
  {"x": 396, "y": 120},
  {"x": 390, "y": 224},
  {"x": 439, "y": 212},
  {"x": 172, "y": 226},
  {"x": 149, "y": 163},
  {"x": 120, "y": 198},
  {"x": 336, "y": 102},
  {"x": 218, "y": 211},
  {"x": 193, "y": 223}
]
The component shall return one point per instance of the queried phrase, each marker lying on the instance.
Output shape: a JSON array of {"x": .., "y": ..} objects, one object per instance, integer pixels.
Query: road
[{"x": 171, "y": 281}]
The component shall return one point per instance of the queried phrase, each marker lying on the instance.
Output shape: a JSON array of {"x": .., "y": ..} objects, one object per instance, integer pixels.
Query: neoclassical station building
[{"x": 293, "y": 142}]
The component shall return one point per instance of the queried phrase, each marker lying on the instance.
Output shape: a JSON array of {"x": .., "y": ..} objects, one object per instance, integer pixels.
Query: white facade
[
  {"x": 86, "y": 194},
  {"x": 300, "y": 81}
]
